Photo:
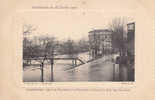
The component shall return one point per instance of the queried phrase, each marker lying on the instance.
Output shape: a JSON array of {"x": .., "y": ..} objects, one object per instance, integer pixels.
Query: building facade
[
  {"x": 131, "y": 50},
  {"x": 100, "y": 42},
  {"x": 131, "y": 38}
]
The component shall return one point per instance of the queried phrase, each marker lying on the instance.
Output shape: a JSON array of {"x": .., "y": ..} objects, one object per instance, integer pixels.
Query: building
[
  {"x": 100, "y": 42},
  {"x": 131, "y": 50},
  {"x": 131, "y": 38}
]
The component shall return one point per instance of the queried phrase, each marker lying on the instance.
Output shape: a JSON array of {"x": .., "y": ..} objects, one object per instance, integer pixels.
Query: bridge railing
[{"x": 51, "y": 59}]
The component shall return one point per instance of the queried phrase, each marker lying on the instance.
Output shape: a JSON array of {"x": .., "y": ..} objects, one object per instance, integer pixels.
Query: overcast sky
[{"x": 71, "y": 24}]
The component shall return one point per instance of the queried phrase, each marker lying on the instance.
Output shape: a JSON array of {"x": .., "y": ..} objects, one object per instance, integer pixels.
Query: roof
[
  {"x": 131, "y": 23},
  {"x": 99, "y": 30}
]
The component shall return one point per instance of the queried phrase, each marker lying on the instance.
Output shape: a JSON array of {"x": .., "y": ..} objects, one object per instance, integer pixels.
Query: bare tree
[
  {"x": 117, "y": 26},
  {"x": 28, "y": 49},
  {"x": 48, "y": 45},
  {"x": 83, "y": 45},
  {"x": 69, "y": 47}
]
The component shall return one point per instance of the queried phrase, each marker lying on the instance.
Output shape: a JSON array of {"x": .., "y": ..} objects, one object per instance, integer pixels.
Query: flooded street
[{"x": 63, "y": 70}]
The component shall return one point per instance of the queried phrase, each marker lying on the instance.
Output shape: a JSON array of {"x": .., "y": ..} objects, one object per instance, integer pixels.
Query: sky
[{"x": 70, "y": 24}]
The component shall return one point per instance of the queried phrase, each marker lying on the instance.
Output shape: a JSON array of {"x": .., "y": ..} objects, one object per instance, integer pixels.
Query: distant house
[{"x": 100, "y": 42}]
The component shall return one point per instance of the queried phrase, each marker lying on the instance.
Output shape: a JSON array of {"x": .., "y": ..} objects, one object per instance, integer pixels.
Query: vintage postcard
[
  {"x": 80, "y": 47},
  {"x": 68, "y": 46}
]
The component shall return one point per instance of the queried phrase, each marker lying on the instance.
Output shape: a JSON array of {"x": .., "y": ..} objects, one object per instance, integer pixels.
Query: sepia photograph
[
  {"x": 77, "y": 49},
  {"x": 78, "y": 46}
]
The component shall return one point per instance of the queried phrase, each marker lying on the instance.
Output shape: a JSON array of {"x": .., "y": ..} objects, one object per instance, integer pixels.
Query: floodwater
[{"x": 64, "y": 71}]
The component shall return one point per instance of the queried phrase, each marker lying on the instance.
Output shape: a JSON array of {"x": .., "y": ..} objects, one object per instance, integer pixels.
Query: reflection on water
[{"x": 100, "y": 70}]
